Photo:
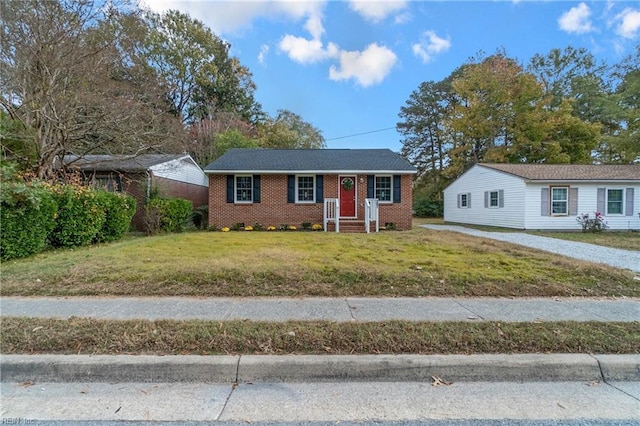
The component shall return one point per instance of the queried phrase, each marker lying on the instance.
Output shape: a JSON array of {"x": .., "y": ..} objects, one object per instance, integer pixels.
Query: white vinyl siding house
[
  {"x": 492, "y": 199},
  {"x": 550, "y": 197}
]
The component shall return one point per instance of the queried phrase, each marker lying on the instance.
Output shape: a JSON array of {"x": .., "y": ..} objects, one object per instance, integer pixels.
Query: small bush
[
  {"x": 27, "y": 215},
  {"x": 200, "y": 217},
  {"x": 80, "y": 216},
  {"x": 425, "y": 207},
  {"x": 167, "y": 214},
  {"x": 119, "y": 210},
  {"x": 595, "y": 224}
]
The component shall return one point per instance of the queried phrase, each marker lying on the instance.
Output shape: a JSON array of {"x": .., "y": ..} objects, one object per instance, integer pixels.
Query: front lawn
[{"x": 420, "y": 262}]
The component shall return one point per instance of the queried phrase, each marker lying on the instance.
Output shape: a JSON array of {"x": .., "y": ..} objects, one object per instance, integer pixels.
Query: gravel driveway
[{"x": 625, "y": 259}]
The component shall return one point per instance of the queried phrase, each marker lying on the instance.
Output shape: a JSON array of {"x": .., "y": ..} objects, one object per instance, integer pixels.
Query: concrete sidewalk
[{"x": 328, "y": 309}]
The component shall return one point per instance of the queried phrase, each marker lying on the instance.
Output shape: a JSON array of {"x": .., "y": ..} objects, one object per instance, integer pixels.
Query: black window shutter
[
  {"x": 319, "y": 189},
  {"x": 291, "y": 189},
  {"x": 256, "y": 188},
  {"x": 371, "y": 181},
  {"x": 230, "y": 188},
  {"x": 397, "y": 189}
]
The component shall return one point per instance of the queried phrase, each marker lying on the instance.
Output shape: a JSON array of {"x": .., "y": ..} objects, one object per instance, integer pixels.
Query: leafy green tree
[
  {"x": 200, "y": 77},
  {"x": 623, "y": 144},
  {"x": 289, "y": 130},
  {"x": 558, "y": 70}
]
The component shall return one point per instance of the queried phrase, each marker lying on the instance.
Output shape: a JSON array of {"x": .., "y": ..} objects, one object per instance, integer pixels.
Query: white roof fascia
[{"x": 301, "y": 172}]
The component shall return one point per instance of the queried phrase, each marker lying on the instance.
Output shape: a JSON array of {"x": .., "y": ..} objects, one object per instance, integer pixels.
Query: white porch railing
[
  {"x": 331, "y": 213},
  {"x": 371, "y": 214}
]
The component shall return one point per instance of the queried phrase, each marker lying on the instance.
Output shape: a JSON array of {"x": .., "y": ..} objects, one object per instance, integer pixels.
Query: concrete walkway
[
  {"x": 618, "y": 258},
  {"x": 328, "y": 309}
]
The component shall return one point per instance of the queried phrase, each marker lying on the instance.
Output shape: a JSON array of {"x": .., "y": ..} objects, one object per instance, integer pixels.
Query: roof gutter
[{"x": 326, "y": 172}]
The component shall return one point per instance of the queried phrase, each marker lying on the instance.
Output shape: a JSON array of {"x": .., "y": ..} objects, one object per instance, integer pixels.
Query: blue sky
[{"x": 347, "y": 67}]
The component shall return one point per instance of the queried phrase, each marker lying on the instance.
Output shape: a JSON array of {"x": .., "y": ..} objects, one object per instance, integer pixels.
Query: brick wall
[
  {"x": 169, "y": 188},
  {"x": 273, "y": 208}
]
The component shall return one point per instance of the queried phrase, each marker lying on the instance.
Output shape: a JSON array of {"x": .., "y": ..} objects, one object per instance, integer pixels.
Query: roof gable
[
  {"x": 310, "y": 160},
  {"x": 570, "y": 172}
]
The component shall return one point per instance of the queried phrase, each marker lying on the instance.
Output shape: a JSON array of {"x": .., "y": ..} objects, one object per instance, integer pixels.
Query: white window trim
[
  {"x": 375, "y": 188},
  {"x": 622, "y": 202},
  {"x": 235, "y": 190},
  {"x": 497, "y": 206},
  {"x": 566, "y": 201},
  {"x": 465, "y": 204},
  {"x": 313, "y": 188}
]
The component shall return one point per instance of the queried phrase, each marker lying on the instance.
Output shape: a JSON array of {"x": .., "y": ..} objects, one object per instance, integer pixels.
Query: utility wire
[{"x": 360, "y": 134}]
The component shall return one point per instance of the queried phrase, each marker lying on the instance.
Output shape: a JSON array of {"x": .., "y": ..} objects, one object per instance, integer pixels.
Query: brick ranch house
[
  {"x": 174, "y": 176},
  {"x": 344, "y": 190}
]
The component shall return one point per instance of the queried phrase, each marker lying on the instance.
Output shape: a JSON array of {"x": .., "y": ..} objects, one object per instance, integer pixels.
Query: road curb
[{"x": 323, "y": 368}]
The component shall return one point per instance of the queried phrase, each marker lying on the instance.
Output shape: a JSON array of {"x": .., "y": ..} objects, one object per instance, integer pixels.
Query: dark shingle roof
[
  {"x": 310, "y": 160},
  {"x": 570, "y": 172},
  {"x": 126, "y": 163}
]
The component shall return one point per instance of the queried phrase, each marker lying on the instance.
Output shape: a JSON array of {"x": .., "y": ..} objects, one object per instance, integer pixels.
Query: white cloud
[
  {"x": 430, "y": 44},
  {"x": 230, "y": 16},
  {"x": 576, "y": 20},
  {"x": 369, "y": 67},
  {"x": 629, "y": 23},
  {"x": 264, "y": 51},
  {"x": 376, "y": 10},
  {"x": 307, "y": 51}
]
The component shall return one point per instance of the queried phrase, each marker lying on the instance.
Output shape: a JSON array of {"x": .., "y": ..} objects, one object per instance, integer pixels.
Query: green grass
[
  {"x": 91, "y": 336},
  {"x": 411, "y": 263}
]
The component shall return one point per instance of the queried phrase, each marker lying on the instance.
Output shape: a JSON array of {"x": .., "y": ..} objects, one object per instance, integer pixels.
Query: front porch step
[{"x": 351, "y": 227}]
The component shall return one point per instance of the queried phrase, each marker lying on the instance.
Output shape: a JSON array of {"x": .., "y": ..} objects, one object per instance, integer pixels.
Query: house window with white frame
[
  {"x": 559, "y": 201},
  {"x": 464, "y": 201},
  {"x": 614, "y": 201},
  {"x": 384, "y": 188},
  {"x": 305, "y": 189},
  {"x": 244, "y": 189},
  {"x": 494, "y": 199}
]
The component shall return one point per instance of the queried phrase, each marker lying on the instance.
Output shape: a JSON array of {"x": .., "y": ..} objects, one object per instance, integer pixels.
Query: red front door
[{"x": 347, "y": 196}]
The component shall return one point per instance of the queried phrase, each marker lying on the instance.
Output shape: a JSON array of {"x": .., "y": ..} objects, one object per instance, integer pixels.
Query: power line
[{"x": 360, "y": 134}]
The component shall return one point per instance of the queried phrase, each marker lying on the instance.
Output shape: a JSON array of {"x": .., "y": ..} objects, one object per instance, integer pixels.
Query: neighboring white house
[{"x": 544, "y": 196}]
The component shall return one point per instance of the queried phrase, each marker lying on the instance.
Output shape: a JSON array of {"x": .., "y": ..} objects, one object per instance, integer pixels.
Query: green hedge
[
  {"x": 119, "y": 209},
  {"x": 167, "y": 214},
  {"x": 27, "y": 215},
  {"x": 80, "y": 216}
]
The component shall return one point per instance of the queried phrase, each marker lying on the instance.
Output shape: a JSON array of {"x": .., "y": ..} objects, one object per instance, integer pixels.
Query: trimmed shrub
[
  {"x": 173, "y": 214},
  {"x": 80, "y": 216},
  {"x": 200, "y": 217},
  {"x": 119, "y": 210},
  {"x": 27, "y": 215},
  {"x": 426, "y": 207}
]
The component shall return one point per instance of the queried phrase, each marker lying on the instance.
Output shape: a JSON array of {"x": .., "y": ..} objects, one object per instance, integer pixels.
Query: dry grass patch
[
  {"x": 412, "y": 263},
  {"x": 90, "y": 336}
]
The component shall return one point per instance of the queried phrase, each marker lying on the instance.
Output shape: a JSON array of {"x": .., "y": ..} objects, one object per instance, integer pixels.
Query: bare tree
[{"x": 73, "y": 76}]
